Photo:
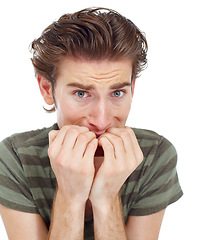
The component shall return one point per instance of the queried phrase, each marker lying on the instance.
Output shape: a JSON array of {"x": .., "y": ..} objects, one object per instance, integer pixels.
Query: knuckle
[
  {"x": 86, "y": 137},
  {"x": 52, "y": 133},
  {"x": 125, "y": 134},
  {"x": 92, "y": 134},
  {"x": 60, "y": 159},
  {"x": 118, "y": 140},
  {"x": 92, "y": 145},
  {"x": 129, "y": 130},
  {"x": 51, "y": 151},
  {"x": 132, "y": 166},
  {"x": 60, "y": 162},
  {"x": 140, "y": 156},
  {"x": 74, "y": 131},
  {"x": 82, "y": 138},
  {"x": 84, "y": 129},
  {"x": 66, "y": 128},
  {"x": 109, "y": 146}
]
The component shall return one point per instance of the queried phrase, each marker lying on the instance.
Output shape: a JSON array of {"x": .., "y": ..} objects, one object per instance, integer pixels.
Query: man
[{"x": 92, "y": 178}]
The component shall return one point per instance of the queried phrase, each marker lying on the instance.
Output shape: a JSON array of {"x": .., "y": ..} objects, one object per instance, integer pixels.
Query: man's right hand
[{"x": 71, "y": 152}]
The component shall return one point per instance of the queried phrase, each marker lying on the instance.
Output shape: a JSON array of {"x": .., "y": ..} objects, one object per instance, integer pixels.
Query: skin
[
  {"x": 102, "y": 76},
  {"x": 92, "y": 100}
]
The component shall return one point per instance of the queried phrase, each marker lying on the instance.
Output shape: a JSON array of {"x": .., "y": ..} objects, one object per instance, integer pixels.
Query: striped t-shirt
[{"x": 28, "y": 183}]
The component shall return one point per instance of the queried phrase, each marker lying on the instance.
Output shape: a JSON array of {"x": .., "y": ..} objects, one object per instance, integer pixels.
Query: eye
[
  {"x": 81, "y": 94},
  {"x": 118, "y": 93}
]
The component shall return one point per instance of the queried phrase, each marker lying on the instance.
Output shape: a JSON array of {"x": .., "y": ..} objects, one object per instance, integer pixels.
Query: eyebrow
[
  {"x": 81, "y": 86},
  {"x": 120, "y": 85},
  {"x": 91, "y": 87}
]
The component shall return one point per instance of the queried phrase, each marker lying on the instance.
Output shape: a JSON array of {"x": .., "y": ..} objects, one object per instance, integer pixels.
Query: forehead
[{"x": 94, "y": 72}]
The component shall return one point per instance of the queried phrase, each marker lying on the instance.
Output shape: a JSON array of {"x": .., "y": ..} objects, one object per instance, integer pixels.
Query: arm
[
  {"x": 137, "y": 228},
  {"x": 144, "y": 227},
  {"x": 122, "y": 155},
  {"x": 26, "y": 226},
  {"x": 109, "y": 221},
  {"x": 65, "y": 215},
  {"x": 71, "y": 154},
  {"x": 17, "y": 225}
]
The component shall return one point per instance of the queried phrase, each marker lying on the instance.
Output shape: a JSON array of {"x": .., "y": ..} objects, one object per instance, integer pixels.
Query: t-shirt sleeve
[
  {"x": 159, "y": 184},
  {"x": 14, "y": 189}
]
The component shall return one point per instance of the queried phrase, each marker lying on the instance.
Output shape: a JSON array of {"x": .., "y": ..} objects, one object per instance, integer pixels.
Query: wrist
[
  {"x": 106, "y": 205},
  {"x": 73, "y": 203},
  {"x": 67, "y": 219}
]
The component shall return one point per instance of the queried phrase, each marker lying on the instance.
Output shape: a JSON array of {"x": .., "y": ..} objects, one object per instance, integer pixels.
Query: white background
[{"x": 177, "y": 95}]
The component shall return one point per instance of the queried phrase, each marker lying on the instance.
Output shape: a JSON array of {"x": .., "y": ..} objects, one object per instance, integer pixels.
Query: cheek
[
  {"x": 126, "y": 111},
  {"x": 69, "y": 113},
  {"x": 122, "y": 111}
]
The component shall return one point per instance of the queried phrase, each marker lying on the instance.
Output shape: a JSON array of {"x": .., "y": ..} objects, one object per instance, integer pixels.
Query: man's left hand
[{"x": 122, "y": 155}]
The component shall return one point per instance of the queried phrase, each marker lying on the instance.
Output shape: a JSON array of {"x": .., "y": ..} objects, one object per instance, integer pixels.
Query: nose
[{"x": 100, "y": 117}]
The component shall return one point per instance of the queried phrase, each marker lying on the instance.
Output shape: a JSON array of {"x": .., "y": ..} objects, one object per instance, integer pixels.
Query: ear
[
  {"x": 45, "y": 89},
  {"x": 132, "y": 86}
]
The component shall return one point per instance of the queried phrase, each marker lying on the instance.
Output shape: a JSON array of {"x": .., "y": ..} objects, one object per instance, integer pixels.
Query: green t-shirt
[{"x": 28, "y": 183}]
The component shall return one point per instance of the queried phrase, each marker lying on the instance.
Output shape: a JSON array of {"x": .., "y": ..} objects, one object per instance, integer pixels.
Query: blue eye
[
  {"x": 118, "y": 93},
  {"x": 81, "y": 94}
]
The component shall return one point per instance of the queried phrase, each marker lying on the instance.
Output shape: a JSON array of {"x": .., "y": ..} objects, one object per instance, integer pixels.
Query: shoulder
[
  {"x": 147, "y": 137},
  {"x": 30, "y": 138},
  {"x": 24, "y": 143},
  {"x": 23, "y": 163}
]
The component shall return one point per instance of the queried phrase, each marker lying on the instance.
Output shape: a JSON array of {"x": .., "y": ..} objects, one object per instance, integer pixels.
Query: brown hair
[{"x": 91, "y": 34}]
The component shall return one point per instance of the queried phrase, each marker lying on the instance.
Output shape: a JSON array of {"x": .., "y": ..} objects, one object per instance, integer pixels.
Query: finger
[
  {"x": 81, "y": 144},
  {"x": 56, "y": 141},
  {"x": 90, "y": 150},
  {"x": 133, "y": 137},
  {"x": 52, "y": 135},
  {"x": 138, "y": 152},
  {"x": 62, "y": 139},
  {"x": 108, "y": 148},
  {"x": 118, "y": 144},
  {"x": 129, "y": 138},
  {"x": 131, "y": 144},
  {"x": 71, "y": 135}
]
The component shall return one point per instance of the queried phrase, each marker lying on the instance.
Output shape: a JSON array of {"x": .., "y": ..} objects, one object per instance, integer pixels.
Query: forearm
[
  {"x": 67, "y": 220},
  {"x": 71, "y": 152},
  {"x": 109, "y": 221}
]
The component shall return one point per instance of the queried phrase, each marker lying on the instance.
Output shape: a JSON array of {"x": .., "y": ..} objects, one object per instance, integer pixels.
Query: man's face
[{"x": 93, "y": 94}]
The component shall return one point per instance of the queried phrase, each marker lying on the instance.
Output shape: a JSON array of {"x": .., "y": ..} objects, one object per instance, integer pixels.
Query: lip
[{"x": 99, "y": 134}]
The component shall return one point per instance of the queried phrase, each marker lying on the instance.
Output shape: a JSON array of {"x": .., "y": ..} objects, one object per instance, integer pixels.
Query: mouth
[
  {"x": 99, "y": 152},
  {"x": 99, "y": 134}
]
